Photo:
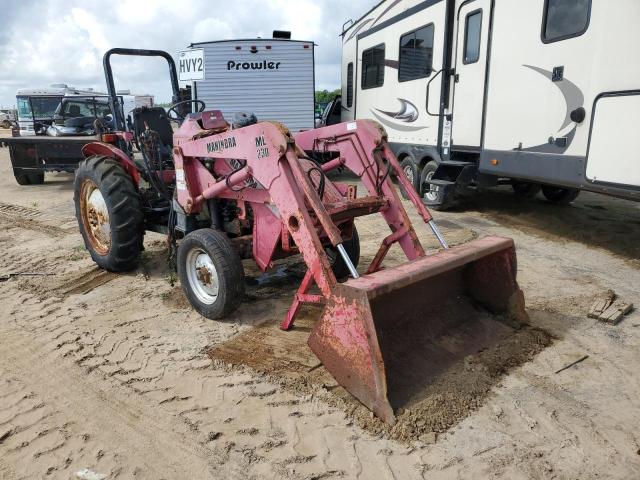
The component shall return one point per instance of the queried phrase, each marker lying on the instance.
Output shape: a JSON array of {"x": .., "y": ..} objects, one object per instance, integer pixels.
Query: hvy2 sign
[{"x": 191, "y": 65}]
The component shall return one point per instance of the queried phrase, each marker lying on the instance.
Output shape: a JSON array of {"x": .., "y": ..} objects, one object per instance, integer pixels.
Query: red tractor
[{"x": 251, "y": 190}]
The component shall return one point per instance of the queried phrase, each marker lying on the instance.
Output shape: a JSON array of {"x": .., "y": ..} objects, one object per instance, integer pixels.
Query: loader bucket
[{"x": 386, "y": 335}]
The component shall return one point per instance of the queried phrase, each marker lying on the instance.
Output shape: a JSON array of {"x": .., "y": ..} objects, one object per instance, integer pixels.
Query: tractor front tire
[
  {"x": 211, "y": 273},
  {"x": 109, "y": 213}
]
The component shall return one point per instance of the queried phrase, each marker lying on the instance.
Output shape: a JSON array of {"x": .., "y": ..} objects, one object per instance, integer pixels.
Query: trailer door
[{"x": 473, "y": 21}]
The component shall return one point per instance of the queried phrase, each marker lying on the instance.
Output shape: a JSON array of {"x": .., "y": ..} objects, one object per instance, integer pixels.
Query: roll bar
[{"x": 111, "y": 89}]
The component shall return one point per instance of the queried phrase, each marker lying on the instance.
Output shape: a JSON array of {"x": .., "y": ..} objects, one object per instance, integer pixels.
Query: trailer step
[
  {"x": 439, "y": 183},
  {"x": 456, "y": 163}
]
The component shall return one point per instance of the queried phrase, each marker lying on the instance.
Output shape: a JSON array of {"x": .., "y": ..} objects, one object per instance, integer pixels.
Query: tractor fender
[{"x": 100, "y": 148}]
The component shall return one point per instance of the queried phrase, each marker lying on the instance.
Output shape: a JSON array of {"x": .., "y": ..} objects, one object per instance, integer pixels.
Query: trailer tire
[
  {"x": 211, "y": 273},
  {"x": 109, "y": 213},
  {"x": 352, "y": 247},
  {"x": 5, "y": 124},
  {"x": 412, "y": 171},
  {"x": 21, "y": 177},
  {"x": 526, "y": 189},
  {"x": 559, "y": 195},
  {"x": 434, "y": 197},
  {"x": 36, "y": 178}
]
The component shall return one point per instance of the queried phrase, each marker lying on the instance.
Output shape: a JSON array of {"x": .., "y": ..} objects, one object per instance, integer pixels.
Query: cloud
[{"x": 62, "y": 41}]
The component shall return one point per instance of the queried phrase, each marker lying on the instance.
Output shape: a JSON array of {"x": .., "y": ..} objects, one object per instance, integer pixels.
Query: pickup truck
[
  {"x": 32, "y": 156},
  {"x": 58, "y": 148}
]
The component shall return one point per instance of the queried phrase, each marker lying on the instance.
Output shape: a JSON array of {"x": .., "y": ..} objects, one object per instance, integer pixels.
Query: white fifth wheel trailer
[{"x": 478, "y": 92}]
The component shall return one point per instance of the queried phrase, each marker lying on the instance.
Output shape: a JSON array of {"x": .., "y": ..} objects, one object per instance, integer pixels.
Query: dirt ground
[{"x": 116, "y": 374}]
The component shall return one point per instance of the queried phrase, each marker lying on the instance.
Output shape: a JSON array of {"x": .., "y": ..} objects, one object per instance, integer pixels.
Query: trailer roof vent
[
  {"x": 58, "y": 85},
  {"x": 123, "y": 92},
  {"x": 282, "y": 34}
]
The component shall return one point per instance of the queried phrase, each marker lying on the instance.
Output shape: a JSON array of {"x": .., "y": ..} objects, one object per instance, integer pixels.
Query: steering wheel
[{"x": 178, "y": 117}]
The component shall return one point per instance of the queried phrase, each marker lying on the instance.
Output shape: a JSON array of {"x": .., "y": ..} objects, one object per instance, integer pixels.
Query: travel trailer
[
  {"x": 270, "y": 77},
  {"x": 541, "y": 94}
]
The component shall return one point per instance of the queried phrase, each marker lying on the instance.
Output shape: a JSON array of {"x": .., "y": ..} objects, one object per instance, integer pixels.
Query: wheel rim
[
  {"x": 95, "y": 217},
  {"x": 408, "y": 171},
  {"x": 432, "y": 193},
  {"x": 202, "y": 276}
]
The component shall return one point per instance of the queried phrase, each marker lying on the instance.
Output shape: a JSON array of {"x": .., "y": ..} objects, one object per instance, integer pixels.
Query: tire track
[
  {"x": 10, "y": 222},
  {"x": 134, "y": 428}
]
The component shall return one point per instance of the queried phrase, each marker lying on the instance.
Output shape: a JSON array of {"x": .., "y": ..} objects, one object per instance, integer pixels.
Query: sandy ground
[{"x": 114, "y": 373}]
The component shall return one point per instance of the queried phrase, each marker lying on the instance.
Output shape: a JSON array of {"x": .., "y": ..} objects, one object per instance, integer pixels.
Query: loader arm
[
  {"x": 364, "y": 150},
  {"x": 270, "y": 158},
  {"x": 379, "y": 331}
]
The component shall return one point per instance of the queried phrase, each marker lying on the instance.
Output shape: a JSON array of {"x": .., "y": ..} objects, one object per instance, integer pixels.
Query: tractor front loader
[{"x": 227, "y": 193}]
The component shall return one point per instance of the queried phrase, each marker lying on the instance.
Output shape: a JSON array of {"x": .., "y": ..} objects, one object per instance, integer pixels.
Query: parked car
[{"x": 7, "y": 118}]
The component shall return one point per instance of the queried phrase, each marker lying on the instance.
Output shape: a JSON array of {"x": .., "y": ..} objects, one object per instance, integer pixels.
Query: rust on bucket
[{"x": 385, "y": 335}]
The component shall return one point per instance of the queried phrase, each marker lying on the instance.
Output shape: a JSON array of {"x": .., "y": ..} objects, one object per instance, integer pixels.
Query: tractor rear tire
[
  {"x": 352, "y": 247},
  {"x": 21, "y": 177},
  {"x": 109, "y": 213},
  {"x": 560, "y": 196},
  {"x": 211, "y": 273}
]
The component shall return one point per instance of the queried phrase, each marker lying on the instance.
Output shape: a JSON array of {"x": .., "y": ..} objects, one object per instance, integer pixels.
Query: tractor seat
[{"x": 156, "y": 119}]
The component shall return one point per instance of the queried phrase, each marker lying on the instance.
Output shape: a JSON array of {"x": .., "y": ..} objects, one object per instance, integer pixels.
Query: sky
[{"x": 62, "y": 41}]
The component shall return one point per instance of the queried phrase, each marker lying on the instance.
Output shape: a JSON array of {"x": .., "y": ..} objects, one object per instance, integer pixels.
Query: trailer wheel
[
  {"x": 560, "y": 196},
  {"x": 526, "y": 189},
  {"x": 211, "y": 273},
  {"x": 352, "y": 247},
  {"x": 109, "y": 213},
  {"x": 21, "y": 177},
  {"x": 434, "y": 197},
  {"x": 36, "y": 178},
  {"x": 412, "y": 171}
]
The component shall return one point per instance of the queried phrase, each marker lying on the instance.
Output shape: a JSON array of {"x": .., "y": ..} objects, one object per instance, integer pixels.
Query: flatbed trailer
[{"x": 32, "y": 156}]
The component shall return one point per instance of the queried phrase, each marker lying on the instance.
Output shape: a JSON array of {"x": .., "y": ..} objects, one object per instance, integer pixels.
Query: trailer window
[
  {"x": 350, "y": 85},
  {"x": 565, "y": 19},
  {"x": 373, "y": 67},
  {"x": 416, "y": 54},
  {"x": 472, "y": 37}
]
